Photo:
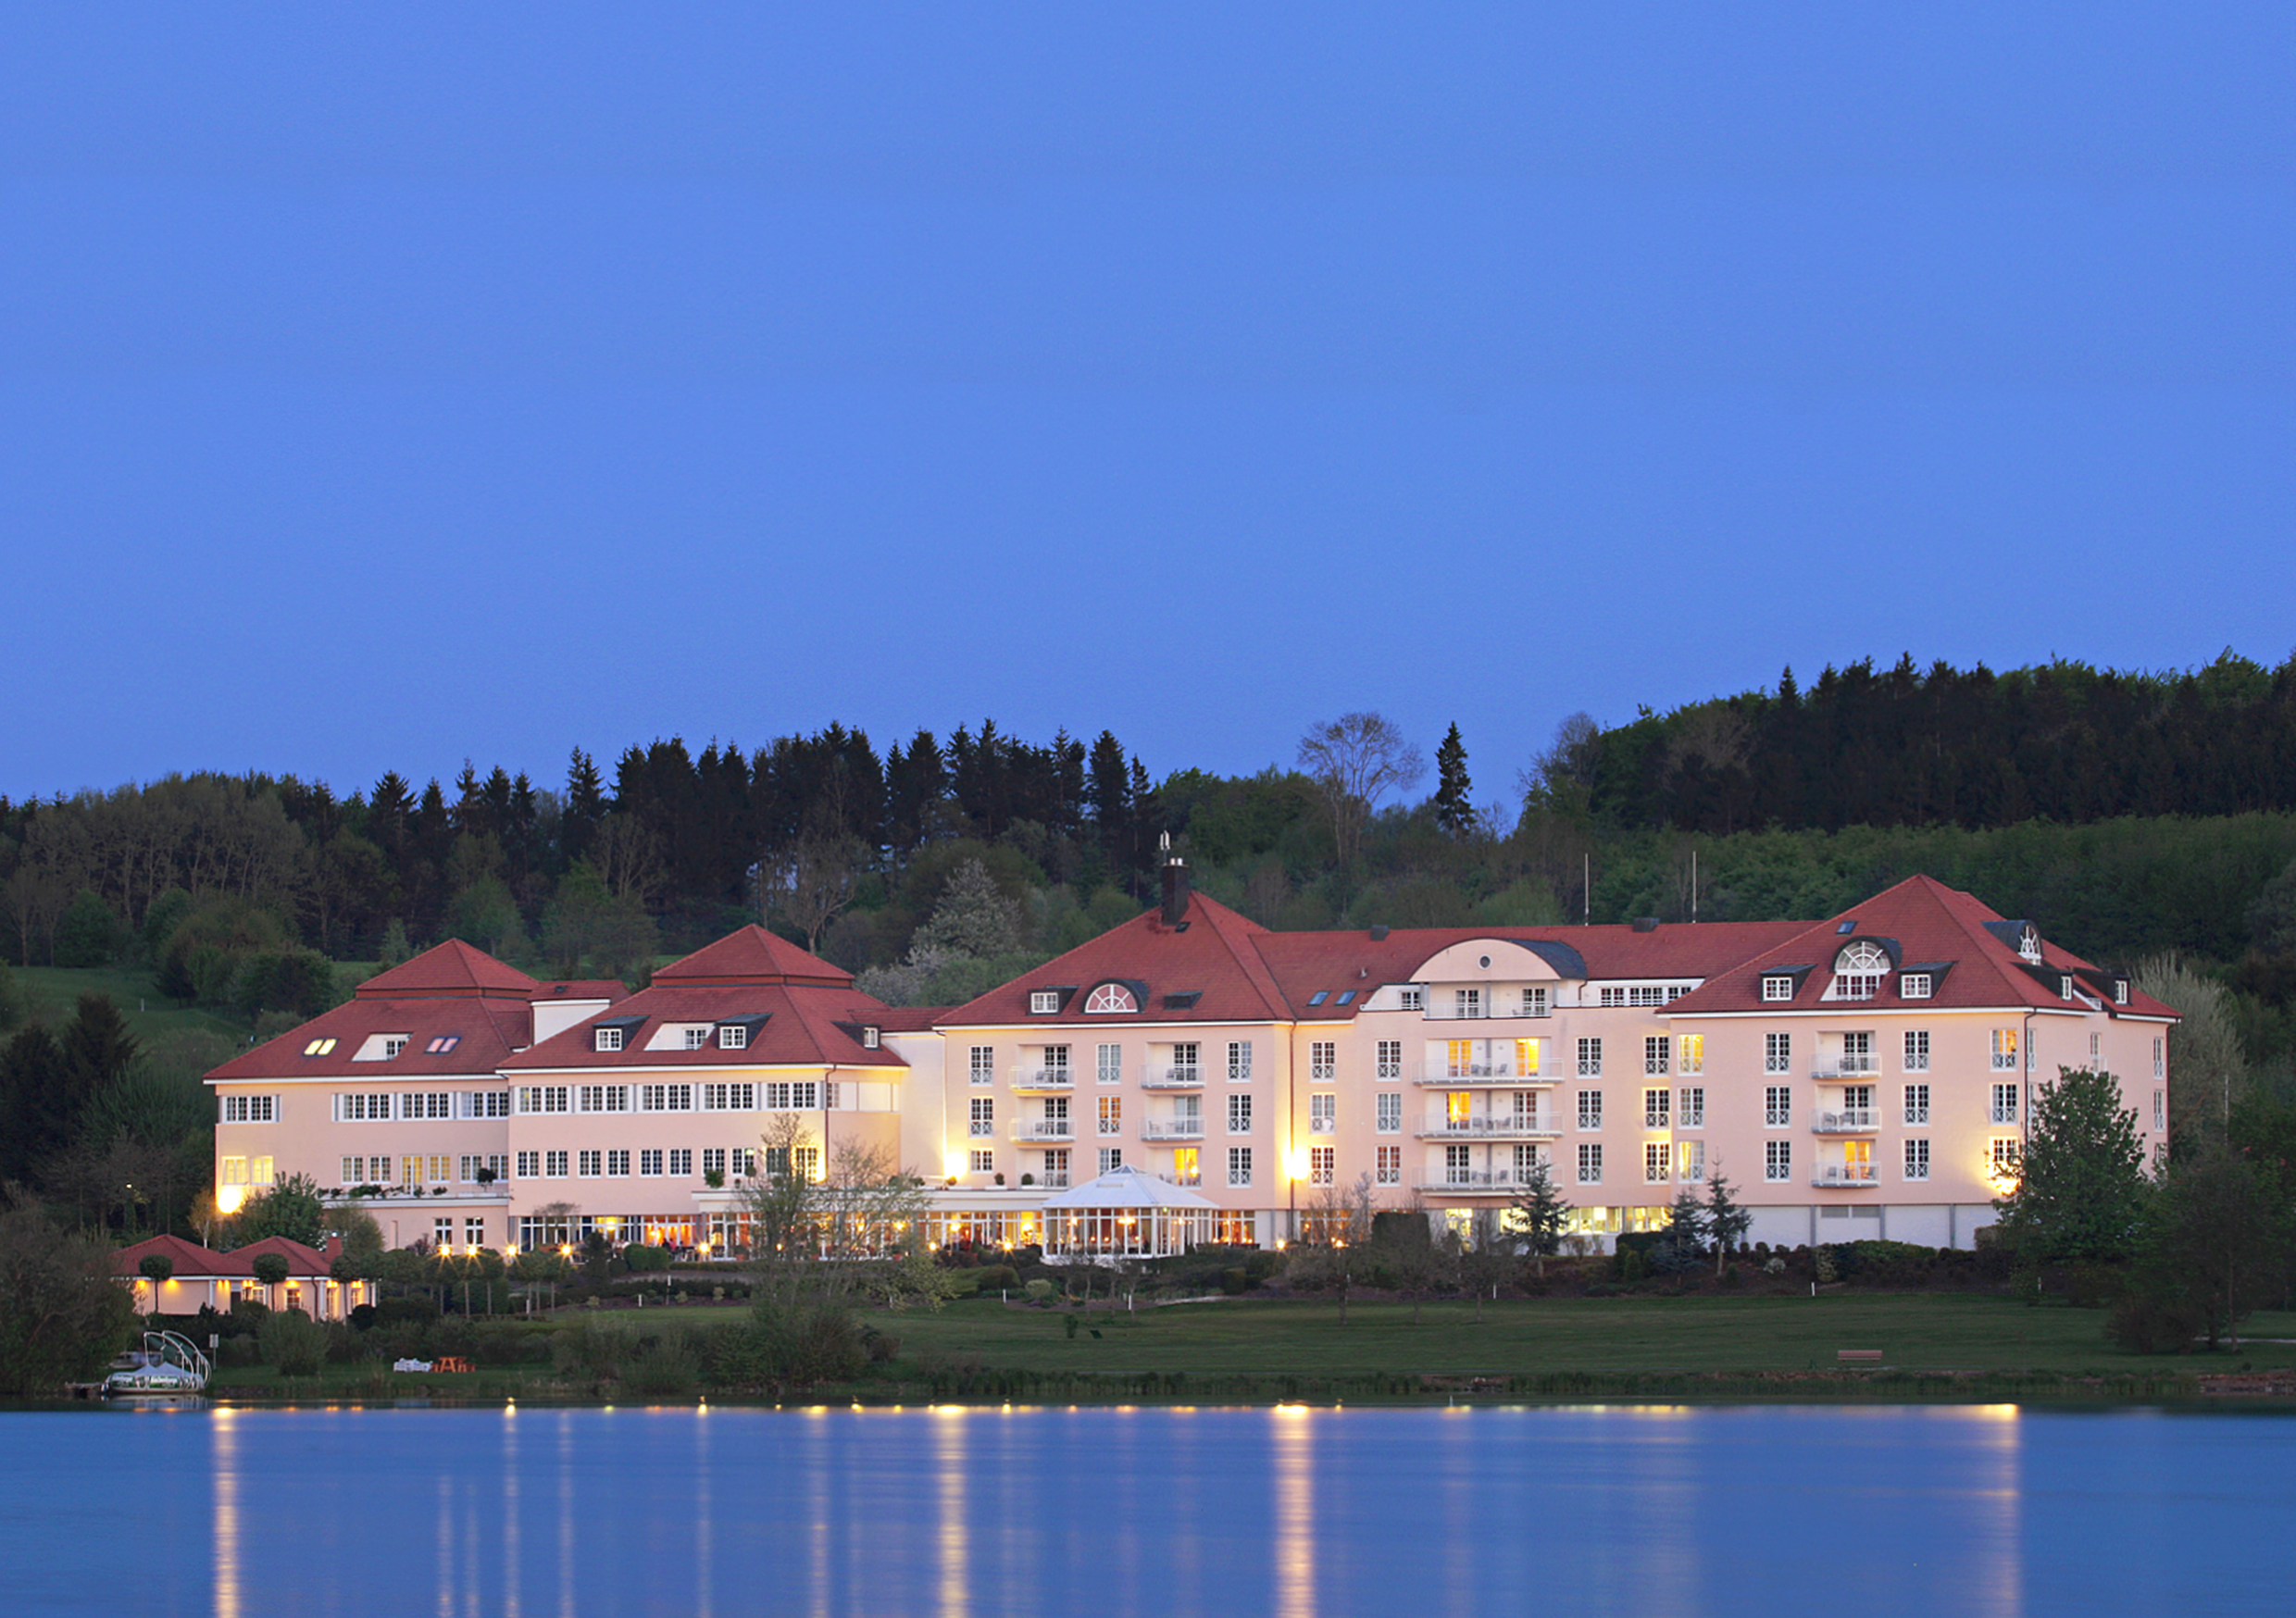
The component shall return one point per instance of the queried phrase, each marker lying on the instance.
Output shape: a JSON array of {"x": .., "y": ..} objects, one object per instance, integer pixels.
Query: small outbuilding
[{"x": 1125, "y": 1213}]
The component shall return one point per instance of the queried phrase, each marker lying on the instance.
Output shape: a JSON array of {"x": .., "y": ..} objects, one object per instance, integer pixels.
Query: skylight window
[
  {"x": 1319, "y": 997},
  {"x": 442, "y": 1045},
  {"x": 1347, "y": 996},
  {"x": 319, "y": 1048}
]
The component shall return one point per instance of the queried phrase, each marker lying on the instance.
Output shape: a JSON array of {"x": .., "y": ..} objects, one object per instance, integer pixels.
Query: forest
[{"x": 2134, "y": 817}]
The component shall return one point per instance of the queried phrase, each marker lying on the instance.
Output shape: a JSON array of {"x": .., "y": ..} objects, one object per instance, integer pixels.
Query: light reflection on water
[{"x": 971, "y": 1512}]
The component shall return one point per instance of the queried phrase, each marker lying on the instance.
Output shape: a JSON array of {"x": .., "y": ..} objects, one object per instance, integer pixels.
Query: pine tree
[
  {"x": 1455, "y": 810},
  {"x": 1727, "y": 1220},
  {"x": 1541, "y": 1212}
]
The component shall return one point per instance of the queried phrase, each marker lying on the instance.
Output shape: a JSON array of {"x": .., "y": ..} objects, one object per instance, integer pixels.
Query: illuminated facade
[{"x": 1866, "y": 1075}]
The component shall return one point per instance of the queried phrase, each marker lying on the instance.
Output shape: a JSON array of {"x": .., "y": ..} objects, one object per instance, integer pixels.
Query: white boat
[{"x": 167, "y": 1366}]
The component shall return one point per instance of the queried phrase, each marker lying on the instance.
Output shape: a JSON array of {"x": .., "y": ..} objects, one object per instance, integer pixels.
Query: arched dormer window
[
  {"x": 2028, "y": 943},
  {"x": 1859, "y": 970},
  {"x": 1110, "y": 1000}
]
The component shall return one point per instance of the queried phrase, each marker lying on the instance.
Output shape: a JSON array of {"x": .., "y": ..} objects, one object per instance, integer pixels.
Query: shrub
[
  {"x": 995, "y": 1278},
  {"x": 2150, "y": 1323},
  {"x": 293, "y": 1342},
  {"x": 1039, "y": 1291}
]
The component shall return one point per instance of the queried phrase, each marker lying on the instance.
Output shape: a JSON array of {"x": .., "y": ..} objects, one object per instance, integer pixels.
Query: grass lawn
[
  {"x": 1914, "y": 1331},
  {"x": 51, "y": 991}
]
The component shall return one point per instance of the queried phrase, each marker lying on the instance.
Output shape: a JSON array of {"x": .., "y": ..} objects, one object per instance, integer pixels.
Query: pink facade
[{"x": 1868, "y": 1075}]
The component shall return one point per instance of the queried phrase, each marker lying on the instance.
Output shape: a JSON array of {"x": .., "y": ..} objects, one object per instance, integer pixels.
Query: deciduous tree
[{"x": 1355, "y": 760}]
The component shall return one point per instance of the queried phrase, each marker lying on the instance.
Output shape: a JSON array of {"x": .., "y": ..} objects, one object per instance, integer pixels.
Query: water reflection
[{"x": 1055, "y": 1512}]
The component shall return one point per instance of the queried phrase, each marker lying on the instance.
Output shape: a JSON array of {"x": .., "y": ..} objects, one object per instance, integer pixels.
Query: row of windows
[
  {"x": 774, "y": 1096},
  {"x": 380, "y": 1106}
]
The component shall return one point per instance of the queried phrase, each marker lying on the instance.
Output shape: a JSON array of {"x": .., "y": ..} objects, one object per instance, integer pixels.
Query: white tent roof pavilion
[{"x": 1125, "y": 1213}]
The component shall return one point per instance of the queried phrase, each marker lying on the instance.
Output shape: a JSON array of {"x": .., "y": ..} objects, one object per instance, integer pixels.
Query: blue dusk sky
[{"x": 384, "y": 386}]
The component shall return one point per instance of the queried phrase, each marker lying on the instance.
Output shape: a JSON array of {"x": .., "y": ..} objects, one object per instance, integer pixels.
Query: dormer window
[
  {"x": 1411, "y": 997},
  {"x": 2120, "y": 991},
  {"x": 2028, "y": 943},
  {"x": 1914, "y": 986},
  {"x": 695, "y": 1038},
  {"x": 1778, "y": 987},
  {"x": 392, "y": 1044},
  {"x": 1044, "y": 1003},
  {"x": 733, "y": 1037},
  {"x": 2065, "y": 985},
  {"x": 870, "y": 1038},
  {"x": 606, "y": 1039},
  {"x": 1859, "y": 970},
  {"x": 1110, "y": 1000}
]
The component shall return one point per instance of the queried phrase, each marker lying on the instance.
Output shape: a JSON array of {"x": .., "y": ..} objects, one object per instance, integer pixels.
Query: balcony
[
  {"x": 1500, "y": 1070},
  {"x": 1486, "y": 1011},
  {"x": 1160, "y": 1077},
  {"x": 1846, "y": 1121},
  {"x": 1839, "y": 1065},
  {"x": 1056, "y": 1079},
  {"x": 1853, "y": 1176},
  {"x": 1476, "y": 1182},
  {"x": 1525, "y": 1126},
  {"x": 1043, "y": 1129},
  {"x": 1172, "y": 1129}
]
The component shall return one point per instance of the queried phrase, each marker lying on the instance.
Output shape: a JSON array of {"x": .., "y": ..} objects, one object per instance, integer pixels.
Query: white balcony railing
[
  {"x": 1164, "y": 1075},
  {"x": 1917, "y": 1115},
  {"x": 1172, "y": 1129},
  {"x": 1851, "y": 1174},
  {"x": 1468, "y": 1075},
  {"x": 1836, "y": 1064},
  {"x": 1845, "y": 1121},
  {"x": 1526, "y": 1126},
  {"x": 1043, "y": 1129},
  {"x": 1052, "y": 1079},
  {"x": 1477, "y": 1182},
  {"x": 1486, "y": 1011}
]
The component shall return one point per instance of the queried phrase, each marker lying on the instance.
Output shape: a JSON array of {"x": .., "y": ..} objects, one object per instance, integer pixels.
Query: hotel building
[{"x": 1868, "y": 1075}]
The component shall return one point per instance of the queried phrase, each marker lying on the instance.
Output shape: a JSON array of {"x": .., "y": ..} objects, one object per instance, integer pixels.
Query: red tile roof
[
  {"x": 806, "y": 1025},
  {"x": 188, "y": 1258},
  {"x": 301, "y": 1260},
  {"x": 1247, "y": 974},
  {"x": 752, "y": 955},
  {"x": 485, "y": 1029},
  {"x": 1213, "y": 953},
  {"x": 1927, "y": 922},
  {"x": 450, "y": 968}
]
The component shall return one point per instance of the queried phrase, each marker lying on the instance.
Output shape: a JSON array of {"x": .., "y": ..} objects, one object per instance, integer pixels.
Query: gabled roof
[
  {"x": 484, "y": 1030},
  {"x": 301, "y": 1260},
  {"x": 752, "y": 955},
  {"x": 1932, "y": 926},
  {"x": 450, "y": 968},
  {"x": 1336, "y": 962},
  {"x": 188, "y": 1258},
  {"x": 788, "y": 1024},
  {"x": 1212, "y": 953}
]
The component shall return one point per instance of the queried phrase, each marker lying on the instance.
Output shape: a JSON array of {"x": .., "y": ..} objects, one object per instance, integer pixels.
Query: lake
[{"x": 1650, "y": 1510}]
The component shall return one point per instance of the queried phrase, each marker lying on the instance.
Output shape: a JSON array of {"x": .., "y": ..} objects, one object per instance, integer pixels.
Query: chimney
[
  {"x": 1175, "y": 885},
  {"x": 334, "y": 1247}
]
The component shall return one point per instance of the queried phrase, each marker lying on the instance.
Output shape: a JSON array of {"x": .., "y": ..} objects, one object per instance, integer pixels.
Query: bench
[
  {"x": 1857, "y": 1357},
  {"x": 452, "y": 1363}
]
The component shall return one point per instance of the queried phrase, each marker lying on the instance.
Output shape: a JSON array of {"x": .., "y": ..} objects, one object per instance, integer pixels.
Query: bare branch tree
[{"x": 1355, "y": 760}]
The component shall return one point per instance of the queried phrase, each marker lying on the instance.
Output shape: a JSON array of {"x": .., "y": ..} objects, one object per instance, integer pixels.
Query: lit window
[
  {"x": 1691, "y": 1048},
  {"x": 1321, "y": 1162},
  {"x": 2004, "y": 1050},
  {"x": 319, "y": 1048}
]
